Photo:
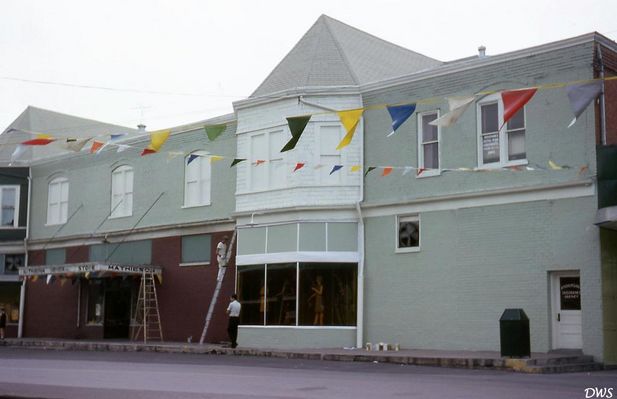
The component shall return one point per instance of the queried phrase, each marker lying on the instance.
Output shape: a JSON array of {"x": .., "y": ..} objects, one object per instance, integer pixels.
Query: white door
[{"x": 566, "y": 310}]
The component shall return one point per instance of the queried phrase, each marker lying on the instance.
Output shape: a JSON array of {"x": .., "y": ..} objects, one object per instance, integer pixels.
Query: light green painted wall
[
  {"x": 473, "y": 264},
  {"x": 293, "y": 337},
  {"x": 90, "y": 180},
  {"x": 547, "y": 137}
]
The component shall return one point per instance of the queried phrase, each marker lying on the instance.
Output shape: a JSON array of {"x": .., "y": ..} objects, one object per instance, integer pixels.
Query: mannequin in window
[
  {"x": 317, "y": 289},
  {"x": 286, "y": 298}
]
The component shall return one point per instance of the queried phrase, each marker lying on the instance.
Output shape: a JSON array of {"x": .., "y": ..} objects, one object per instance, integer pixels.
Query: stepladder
[{"x": 147, "y": 315}]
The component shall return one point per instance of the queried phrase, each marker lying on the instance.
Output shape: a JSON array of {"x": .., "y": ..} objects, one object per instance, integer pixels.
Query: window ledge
[
  {"x": 120, "y": 216},
  {"x": 195, "y": 206},
  {"x": 407, "y": 250},
  {"x": 54, "y": 224},
  {"x": 501, "y": 165},
  {"x": 12, "y": 228},
  {"x": 194, "y": 264}
]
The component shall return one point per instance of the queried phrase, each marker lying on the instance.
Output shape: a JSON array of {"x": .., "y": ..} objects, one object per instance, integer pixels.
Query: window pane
[
  {"x": 251, "y": 293},
  {"x": 64, "y": 212},
  {"x": 490, "y": 148},
  {"x": 431, "y": 156},
  {"x": 281, "y": 301},
  {"x": 328, "y": 294},
  {"x": 128, "y": 181},
  {"x": 518, "y": 120},
  {"x": 192, "y": 193},
  {"x": 429, "y": 132},
  {"x": 64, "y": 191},
  {"x": 54, "y": 192},
  {"x": 196, "y": 248},
  {"x": 12, "y": 263},
  {"x": 95, "y": 301},
  {"x": 516, "y": 145},
  {"x": 329, "y": 138},
  {"x": 259, "y": 173},
  {"x": 8, "y": 206},
  {"x": 490, "y": 117},
  {"x": 408, "y": 233}
]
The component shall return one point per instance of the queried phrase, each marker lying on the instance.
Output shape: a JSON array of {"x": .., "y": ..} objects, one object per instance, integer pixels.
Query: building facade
[{"x": 422, "y": 238}]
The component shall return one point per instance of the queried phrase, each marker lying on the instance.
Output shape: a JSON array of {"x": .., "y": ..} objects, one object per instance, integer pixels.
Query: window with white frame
[
  {"x": 407, "y": 233},
  {"x": 197, "y": 179},
  {"x": 329, "y": 138},
  {"x": 122, "y": 191},
  {"x": 428, "y": 144},
  {"x": 9, "y": 198},
  {"x": 498, "y": 144},
  {"x": 272, "y": 173},
  {"x": 58, "y": 201}
]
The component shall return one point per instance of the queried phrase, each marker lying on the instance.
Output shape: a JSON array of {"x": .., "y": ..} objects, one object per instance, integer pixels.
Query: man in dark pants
[{"x": 233, "y": 310}]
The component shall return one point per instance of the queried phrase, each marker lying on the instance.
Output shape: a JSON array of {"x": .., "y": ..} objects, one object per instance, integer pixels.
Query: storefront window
[
  {"x": 9, "y": 301},
  {"x": 281, "y": 303},
  {"x": 96, "y": 295},
  {"x": 251, "y": 293},
  {"x": 328, "y": 294}
]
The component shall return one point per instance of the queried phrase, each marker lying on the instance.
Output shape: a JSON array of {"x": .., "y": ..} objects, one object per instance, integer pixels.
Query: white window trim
[
  {"x": 431, "y": 172},
  {"x": 503, "y": 135},
  {"x": 16, "y": 218},
  {"x": 397, "y": 220},
  {"x": 124, "y": 168},
  {"x": 193, "y": 264},
  {"x": 267, "y": 165},
  {"x": 342, "y": 154},
  {"x": 202, "y": 157},
  {"x": 57, "y": 180}
]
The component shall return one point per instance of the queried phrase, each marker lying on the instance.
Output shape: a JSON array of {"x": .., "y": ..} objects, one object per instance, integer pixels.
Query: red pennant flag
[
  {"x": 420, "y": 171},
  {"x": 147, "y": 151},
  {"x": 387, "y": 170},
  {"x": 299, "y": 165},
  {"x": 96, "y": 145},
  {"x": 259, "y": 162},
  {"x": 513, "y": 100}
]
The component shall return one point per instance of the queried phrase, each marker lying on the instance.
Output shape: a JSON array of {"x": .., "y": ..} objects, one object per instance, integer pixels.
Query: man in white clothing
[
  {"x": 233, "y": 310},
  {"x": 221, "y": 257}
]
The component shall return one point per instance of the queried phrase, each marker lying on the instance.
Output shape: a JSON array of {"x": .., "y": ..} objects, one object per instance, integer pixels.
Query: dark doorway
[{"x": 117, "y": 309}]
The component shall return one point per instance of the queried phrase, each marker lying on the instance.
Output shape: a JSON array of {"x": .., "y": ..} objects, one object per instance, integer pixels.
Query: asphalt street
[{"x": 61, "y": 374}]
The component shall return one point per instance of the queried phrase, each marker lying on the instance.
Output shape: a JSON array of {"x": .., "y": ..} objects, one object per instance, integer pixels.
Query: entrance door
[
  {"x": 567, "y": 317},
  {"x": 117, "y": 309}
]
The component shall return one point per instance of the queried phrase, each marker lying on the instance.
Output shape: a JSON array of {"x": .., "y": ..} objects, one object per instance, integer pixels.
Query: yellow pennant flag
[
  {"x": 215, "y": 158},
  {"x": 350, "y": 120},
  {"x": 554, "y": 166},
  {"x": 355, "y": 168},
  {"x": 157, "y": 139}
]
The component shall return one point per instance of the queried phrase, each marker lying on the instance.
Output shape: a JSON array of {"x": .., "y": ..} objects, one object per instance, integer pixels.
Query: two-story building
[{"x": 420, "y": 238}]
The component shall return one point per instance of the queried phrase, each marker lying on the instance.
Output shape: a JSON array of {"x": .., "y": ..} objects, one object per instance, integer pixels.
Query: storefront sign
[{"x": 80, "y": 268}]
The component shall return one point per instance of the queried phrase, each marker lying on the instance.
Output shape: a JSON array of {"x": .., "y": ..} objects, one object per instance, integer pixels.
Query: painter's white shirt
[
  {"x": 221, "y": 249},
  {"x": 234, "y": 309}
]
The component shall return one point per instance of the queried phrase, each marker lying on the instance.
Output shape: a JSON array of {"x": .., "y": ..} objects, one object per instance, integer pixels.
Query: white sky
[{"x": 220, "y": 51}]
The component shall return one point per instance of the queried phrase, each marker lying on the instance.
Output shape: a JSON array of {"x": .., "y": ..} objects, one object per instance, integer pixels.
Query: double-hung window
[
  {"x": 197, "y": 179},
  {"x": 499, "y": 144},
  {"x": 329, "y": 156},
  {"x": 122, "y": 191},
  {"x": 267, "y": 167},
  {"x": 9, "y": 198},
  {"x": 428, "y": 144},
  {"x": 58, "y": 201}
]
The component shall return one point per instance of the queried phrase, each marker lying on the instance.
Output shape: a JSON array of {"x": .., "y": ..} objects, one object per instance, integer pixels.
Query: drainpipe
[
  {"x": 22, "y": 293},
  {"x": 360, "y": 310},
  {"x": 602, "y": 99}
]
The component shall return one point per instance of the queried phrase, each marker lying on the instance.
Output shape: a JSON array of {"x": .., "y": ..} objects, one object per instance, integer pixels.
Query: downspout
[
  {"x": 360, "y": 310},
  {"x": 22, "y": 293},
  {"x": 602, "y": 99}
]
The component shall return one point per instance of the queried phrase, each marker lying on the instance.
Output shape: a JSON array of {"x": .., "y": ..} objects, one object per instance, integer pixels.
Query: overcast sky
[{"x": 203, "y": 55}]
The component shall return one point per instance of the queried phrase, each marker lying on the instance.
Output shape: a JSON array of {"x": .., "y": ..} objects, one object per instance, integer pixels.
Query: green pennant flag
[
  {"x": 213, "y": 131},
  {"x": 369, "y": 170},
  {"x": 236, "y": 161},
  {"x": 296, "y": 127}
]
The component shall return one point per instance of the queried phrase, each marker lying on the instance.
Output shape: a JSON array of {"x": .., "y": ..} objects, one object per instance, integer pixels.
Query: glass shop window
[
  {"x": 251, "y": 294},
  {"x": 96, "y": 296},
  {"x": 281, "y": 295}
]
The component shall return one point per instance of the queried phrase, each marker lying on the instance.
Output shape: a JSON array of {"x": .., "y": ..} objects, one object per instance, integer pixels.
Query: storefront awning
[{"x": 91, "y": 270}]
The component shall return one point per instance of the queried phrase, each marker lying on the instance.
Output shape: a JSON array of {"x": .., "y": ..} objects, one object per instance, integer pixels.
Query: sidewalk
[{"x": 538, "y": 363}]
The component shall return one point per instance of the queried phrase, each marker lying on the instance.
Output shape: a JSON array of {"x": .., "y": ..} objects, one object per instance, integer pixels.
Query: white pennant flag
[
  {"x": 19, "y": 151},
  {"x": 122, "y": 147},
  {"x": 407, "y": 170},
  {"x": 458, "y": 105},
  {"x": 75, "y": 145}
]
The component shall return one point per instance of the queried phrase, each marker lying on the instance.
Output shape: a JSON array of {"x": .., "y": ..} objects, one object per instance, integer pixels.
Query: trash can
[{"x": 514, "y": 333}]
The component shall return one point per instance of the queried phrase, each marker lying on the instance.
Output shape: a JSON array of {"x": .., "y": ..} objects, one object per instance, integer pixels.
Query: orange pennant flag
[
  {"x": 96, "y": 145},
  {"x": 387, "y": 170}
]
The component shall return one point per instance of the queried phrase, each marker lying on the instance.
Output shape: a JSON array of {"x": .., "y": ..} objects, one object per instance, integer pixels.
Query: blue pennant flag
[
  {"x": 335, "y": 168},
  {"x": 399, "y": 114},
  {"x": 192, "y": 157}
]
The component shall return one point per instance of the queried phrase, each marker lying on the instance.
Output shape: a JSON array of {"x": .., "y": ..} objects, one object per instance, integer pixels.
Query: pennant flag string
[
  {"x": 336, "y": 168},
  {"x": 458, "y": 106},
  {"x": 514, "y": 100},
  {"x": 236, "y": 161}
]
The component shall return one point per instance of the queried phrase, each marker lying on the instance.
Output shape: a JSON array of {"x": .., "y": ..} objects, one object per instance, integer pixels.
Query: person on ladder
[{"x": 221, "y": 257}]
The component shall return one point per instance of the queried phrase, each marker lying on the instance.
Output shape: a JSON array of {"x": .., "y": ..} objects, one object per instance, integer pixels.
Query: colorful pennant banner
[
  {"x": 214, "y": 131},
  {"x": 296, "y": 124},
  {"x": 399, "y": 114},
  {"x": 349, "y": 119},
  {"x": 581, "y": 96}
]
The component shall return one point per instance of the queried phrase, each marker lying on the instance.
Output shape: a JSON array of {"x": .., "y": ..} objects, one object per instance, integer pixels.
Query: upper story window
[
  {"x": 407, "y": 233},
  {"x": 58, "y": 201},
  {"x": 429, "y": 137},
  {"x": 497, "y": 144},
  {"x": 9, "y": 198},
  {"x": 329, "y": 138},
  {"x": 122, "y": 191},
  {"x": 272, "y": 173},
  {"x": 197, "y": 180}
]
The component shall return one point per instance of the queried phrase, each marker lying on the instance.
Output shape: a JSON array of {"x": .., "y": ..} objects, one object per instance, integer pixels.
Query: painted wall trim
[{"x": 300, "y": 256}]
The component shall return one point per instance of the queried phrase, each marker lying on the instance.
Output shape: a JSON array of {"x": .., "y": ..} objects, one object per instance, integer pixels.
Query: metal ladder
[{"x": 147, "y": 310}]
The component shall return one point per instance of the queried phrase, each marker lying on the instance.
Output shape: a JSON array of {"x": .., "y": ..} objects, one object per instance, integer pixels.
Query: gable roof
[
  {"x": 332, "y": 53},
  {"x": 37, "y": 120}
]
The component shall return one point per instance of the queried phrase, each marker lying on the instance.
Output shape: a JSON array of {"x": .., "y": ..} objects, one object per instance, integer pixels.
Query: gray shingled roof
[
  {"x": 332, "y": 53},
  {"x": 59, "y": 125}
]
